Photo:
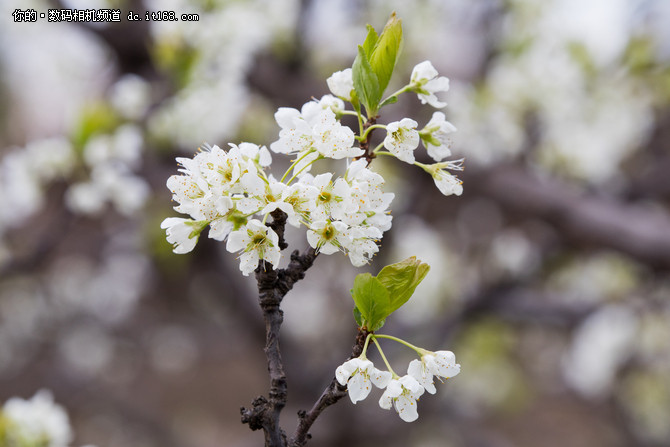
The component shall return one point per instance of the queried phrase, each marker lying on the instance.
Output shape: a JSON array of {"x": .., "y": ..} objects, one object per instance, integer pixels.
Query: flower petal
[{"x": 406, "y": 408}]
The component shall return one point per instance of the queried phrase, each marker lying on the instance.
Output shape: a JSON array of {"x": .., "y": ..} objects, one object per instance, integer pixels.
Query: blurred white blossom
[{"x": 37, "y": 420}]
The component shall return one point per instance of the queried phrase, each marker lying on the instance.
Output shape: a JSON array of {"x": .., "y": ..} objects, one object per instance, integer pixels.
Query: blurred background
[{"x": 549, "y": 274}]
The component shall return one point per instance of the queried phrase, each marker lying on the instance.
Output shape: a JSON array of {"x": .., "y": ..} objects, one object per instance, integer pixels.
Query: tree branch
[
  {"x": 273, "y": 285},
  {"x": 331, "y": 395},
  {"x": 365, "y": 144}
]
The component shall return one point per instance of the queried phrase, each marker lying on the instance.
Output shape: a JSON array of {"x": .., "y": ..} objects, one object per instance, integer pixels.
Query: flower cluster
[
  {"x": 226, "y": 189},
  {"x": 402, "y": 137},
  {"x": 400, "y": 393},
  {"x": 231, "y": 193}
]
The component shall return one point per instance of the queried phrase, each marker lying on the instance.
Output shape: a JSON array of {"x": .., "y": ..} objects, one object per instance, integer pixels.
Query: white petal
[
  {"x": 344, "y": 371},
  {"x": 358, "y": 386},
  {"x": 445, "y": 364},
  {"x": 253, "y": 184},
  {"x": 248, "y": 262},
  {"x": 380, "y": 378},
  {"x": 423, "y": 71},
  {"x": 219, "y": 229},
  {"x": 171, "y": 221},
  {"x": 328, "y": 248},
  {"x": 386, "y": 400},
  {"x": 286, "y": 117},
  {"x": 412, "y": 385},
  {"x": 313, "y": 239},
  {"x": 406, "y": 408},
  {"x": 418, "y": 370},
  {"x": 237, "y": 240},
  {"x": 272, "y": 255},
  {"x": 224, "y": 204}
]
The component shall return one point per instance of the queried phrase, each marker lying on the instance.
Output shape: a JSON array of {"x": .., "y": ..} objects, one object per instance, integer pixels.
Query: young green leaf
[
  {"x": 385, "y": 54},
  {"x": 372, "y": 300},
  {"x": 358, "y": 317},
  {"x": 370, "y": 40},
  {"x": 366, "y": 83},
  {"x": 391, "y": 100},
  {"x": 401, "y": 279}
]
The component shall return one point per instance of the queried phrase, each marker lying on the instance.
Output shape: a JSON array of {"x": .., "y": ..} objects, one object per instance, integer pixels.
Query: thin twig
[{"x": 331, "y": 395}]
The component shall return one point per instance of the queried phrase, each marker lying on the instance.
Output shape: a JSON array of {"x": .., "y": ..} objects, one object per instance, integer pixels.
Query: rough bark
[{"x": 272, "y": 287}]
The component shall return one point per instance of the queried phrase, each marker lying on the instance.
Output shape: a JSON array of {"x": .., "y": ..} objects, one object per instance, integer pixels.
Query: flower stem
[
  {"x": 383, "y": 153},
  {"x": 386, "y": 362},
  {"x": 293, "y": 165},
  {"x": 348, "y": 112},
  {"x": 419, "y": 351},
  {"x": 406, "y": 88},
  {"x": 360, "y": 123},
  {"x": 379, "y": 147},
  {"x": 303, "y": 168},
  {"x": 364, "y": 136},
  {"x": 365, "y": 346}
]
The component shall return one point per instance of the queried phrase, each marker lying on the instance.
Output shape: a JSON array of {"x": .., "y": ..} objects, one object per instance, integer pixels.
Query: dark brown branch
[
  {"x": 365, "y": 144},
  {"x": 331, "y": 395},
  {"x": 272, "y": 287},
  {"x": 278, "y": 224}
]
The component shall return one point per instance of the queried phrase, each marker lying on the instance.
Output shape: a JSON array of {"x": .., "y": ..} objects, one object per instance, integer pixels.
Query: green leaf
[
  {"x": 384, "y": 56},
  {"x": 389, "y": 100},
  {"x": 372, "y": 300},
  {"x": 366, "y": 83},
  {"x": 358, "y": 317},
  {"x": 401, "y": 279},
  {"x": 355, "y": 103},
  {"x": 370, "y": 40}
]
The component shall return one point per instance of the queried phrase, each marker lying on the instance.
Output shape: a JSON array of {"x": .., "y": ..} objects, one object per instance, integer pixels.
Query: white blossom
[
  {"x": 435, "y": 136},
  {"x": 341, "y": 83},
  {"x": 314, "y": 127},
  {"x": 182, "y": 233},
  {"x": 357, "y": 374},
  {"x": 447, "y": 183},
  {"x": 311, "y": 109},
  {"x": 295, "y": 135},
  {"x": 361, "y": 244},
  {"x": 256, "y": 241},
  {"x": 332, "y": 139},
  {"x": 229, "y": 219},
  {"x": 302, "y": 199},
  {"x": 425, "y": 82},
  {"x": 441, "y": 364},
  {"x": 366, "y": 189},
  {"x": 257, "y": 154},
  {"x": 210, "y": 174},
  {"x": 38, "y": 421},
  {"x": 327, "y": 236},
  {"x": 402, "y": 393},
  {"x": 220, "y": 170},
  {"x": 333, "y": 199},
  {"x": 402, "y": 138}
]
